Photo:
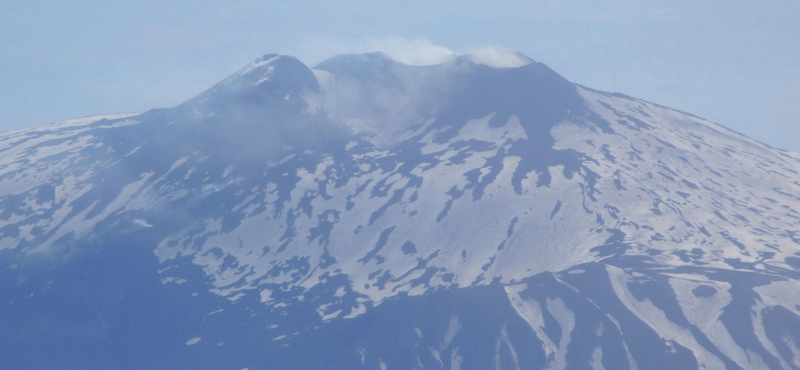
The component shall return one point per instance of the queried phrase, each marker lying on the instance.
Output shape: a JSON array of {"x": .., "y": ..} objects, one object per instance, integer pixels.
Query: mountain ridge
[{"x": 304, "y": 205}]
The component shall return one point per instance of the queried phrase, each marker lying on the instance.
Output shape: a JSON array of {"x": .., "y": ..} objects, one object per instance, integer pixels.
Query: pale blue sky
[{"x": 734, "y": 62}]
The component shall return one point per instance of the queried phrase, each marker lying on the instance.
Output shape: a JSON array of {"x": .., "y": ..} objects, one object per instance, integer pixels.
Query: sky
[{"x": 733, "y": 62}]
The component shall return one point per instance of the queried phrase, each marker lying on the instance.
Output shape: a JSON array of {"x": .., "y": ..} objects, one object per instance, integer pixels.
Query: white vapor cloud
[
  {"x": 499, "y": 57},
  {"x": 419, "y": 51},
  {"x": 414, "y": 52}
]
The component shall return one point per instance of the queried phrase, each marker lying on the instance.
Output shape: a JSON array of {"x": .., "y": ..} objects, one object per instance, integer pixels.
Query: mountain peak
[
  {"x": 377, "y": 56},
  {"x": 361, "y": 66},
  {"x": 269, "y": 77},
  {"x": 274, "y": 69}
]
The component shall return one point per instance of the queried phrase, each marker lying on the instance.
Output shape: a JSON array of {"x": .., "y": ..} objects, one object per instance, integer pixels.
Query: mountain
[{"x": 482, "y": 213}]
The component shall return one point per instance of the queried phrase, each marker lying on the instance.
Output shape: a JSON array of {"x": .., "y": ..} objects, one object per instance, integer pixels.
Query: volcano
[{"x": 483, "y": 213}]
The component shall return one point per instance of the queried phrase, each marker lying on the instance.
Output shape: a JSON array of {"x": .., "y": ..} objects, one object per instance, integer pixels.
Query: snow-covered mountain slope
[{"x": 462, "y": 216}]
